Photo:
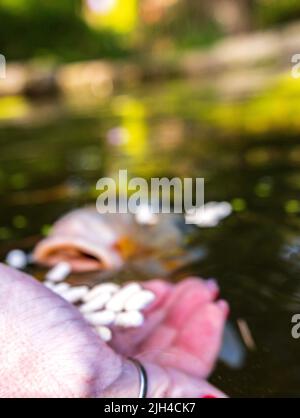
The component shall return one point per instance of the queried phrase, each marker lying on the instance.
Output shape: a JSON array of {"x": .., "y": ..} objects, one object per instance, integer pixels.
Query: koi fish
[{"x": 90, "y": 241}]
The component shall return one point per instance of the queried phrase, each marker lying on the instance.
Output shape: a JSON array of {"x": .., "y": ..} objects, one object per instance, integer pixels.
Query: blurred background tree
[{"x": 232, "y": 15}]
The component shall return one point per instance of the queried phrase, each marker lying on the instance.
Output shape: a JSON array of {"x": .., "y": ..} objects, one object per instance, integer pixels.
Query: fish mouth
[{"x": 82, "y": 256}]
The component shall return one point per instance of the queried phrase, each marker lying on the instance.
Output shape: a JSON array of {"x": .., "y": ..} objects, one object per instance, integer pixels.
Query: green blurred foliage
[
  {"x": 270, "y": 12},
  {"x": 52, "y": 29},
  {"x": 274, "y": 110},
  {"x": 185, "y": 33}
]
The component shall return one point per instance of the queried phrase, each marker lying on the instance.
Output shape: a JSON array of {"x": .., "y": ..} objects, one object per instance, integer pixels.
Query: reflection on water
[{"x": 248, "y": 155}]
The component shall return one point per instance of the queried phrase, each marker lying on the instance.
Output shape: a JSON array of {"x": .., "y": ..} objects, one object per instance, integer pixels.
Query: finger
[
  {"x": 196, "y": 347},
  {"x": 185, "y": 299},
  {"x": 188, "y": 297},
  {"x": 162, "y": 291}
]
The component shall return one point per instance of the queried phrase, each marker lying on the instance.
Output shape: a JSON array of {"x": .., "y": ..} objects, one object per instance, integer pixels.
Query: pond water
[{"x": 53, "y": 154}]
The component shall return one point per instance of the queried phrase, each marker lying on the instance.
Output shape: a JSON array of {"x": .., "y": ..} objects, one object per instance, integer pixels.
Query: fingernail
[
  {"x": 225, "y": 307},
  {"x": 212, "y": 285}
]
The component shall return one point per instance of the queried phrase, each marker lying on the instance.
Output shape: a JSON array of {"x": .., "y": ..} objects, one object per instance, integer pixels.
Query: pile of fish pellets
[{"x": 105, "y": 306}]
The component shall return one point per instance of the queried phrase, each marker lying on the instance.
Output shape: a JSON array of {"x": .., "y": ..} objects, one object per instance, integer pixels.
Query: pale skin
[{"x": 49, "y": 350}]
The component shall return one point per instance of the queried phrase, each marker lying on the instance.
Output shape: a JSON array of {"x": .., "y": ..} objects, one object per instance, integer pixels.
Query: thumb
[
  {"x": 161, "y": 383},
  {"x": 47, "y": 348}
]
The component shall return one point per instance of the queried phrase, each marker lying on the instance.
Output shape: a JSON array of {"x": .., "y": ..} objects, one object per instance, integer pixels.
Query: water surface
[{"x": 52, "y": 156}]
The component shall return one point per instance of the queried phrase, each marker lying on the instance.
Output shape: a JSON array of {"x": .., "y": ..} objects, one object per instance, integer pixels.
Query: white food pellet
[
  {"x": 96, "y": 303},
  {"x": 61, "y": 288},
  {"x": 139, "y": 300},
  {"x": 129, "y": 319},
  {"x": 209, "y": 215},
  {"x": 49, "y": 285},
  {"x": 75, "y": 294},
  {"x": 60, "y": 272},
  {"x": 101, "y": 318},
  {"x": 117, "y": 302},
  {"x": 104, "y": 333},
  {"x": 16, "y": 259},
  {"x": 101, "y": 288}
]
